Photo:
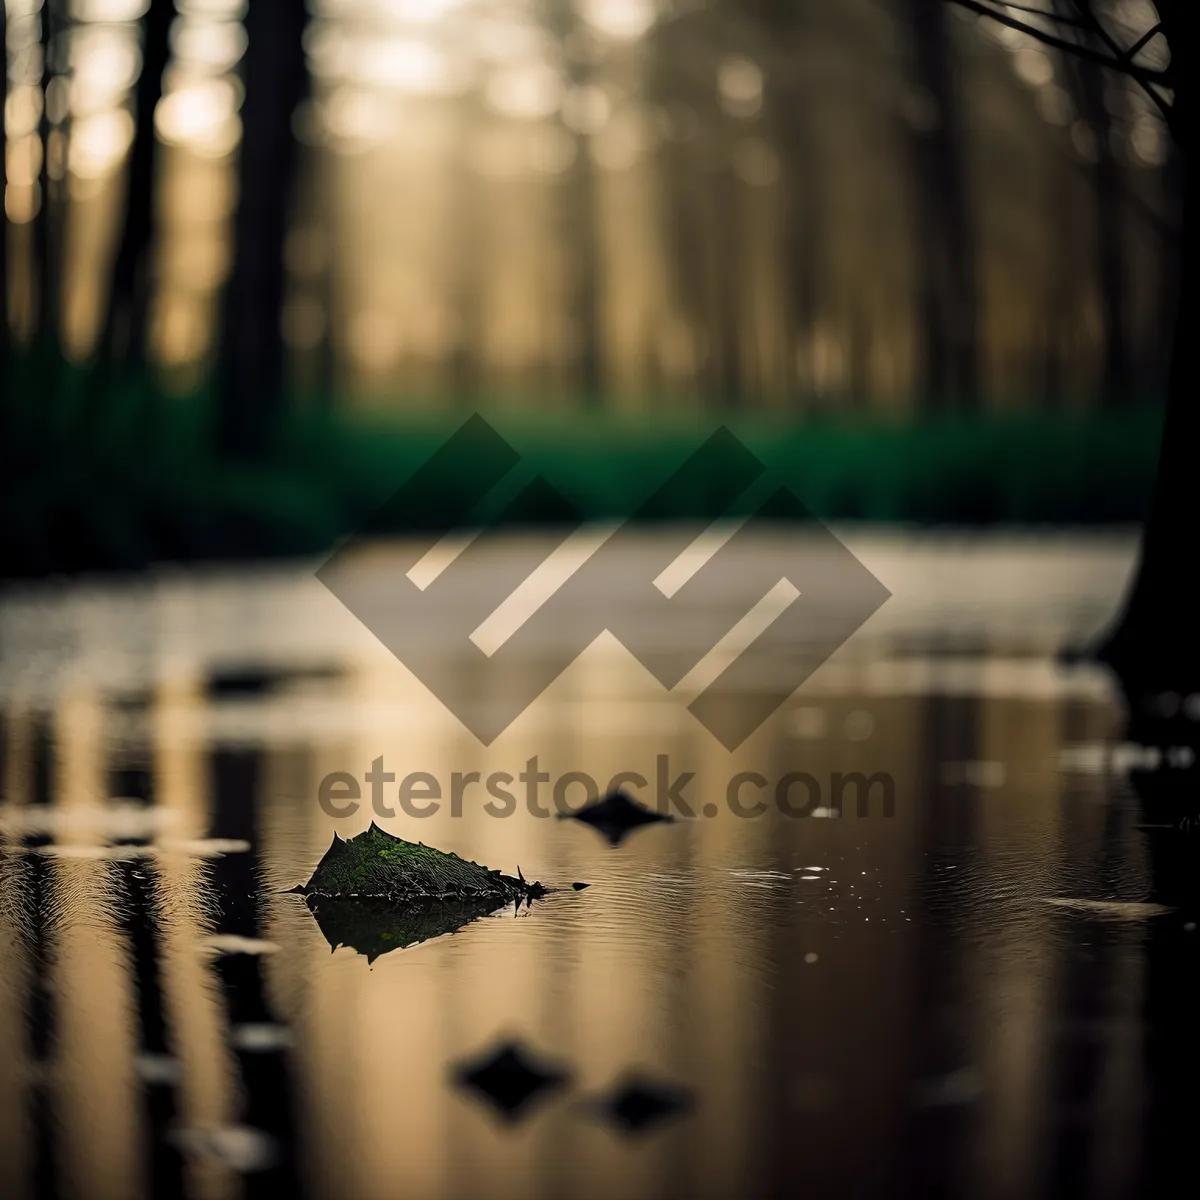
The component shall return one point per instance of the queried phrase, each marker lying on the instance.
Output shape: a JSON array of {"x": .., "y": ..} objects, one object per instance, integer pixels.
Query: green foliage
[
  {"x": 377, "y": 865},
  {"x": 113, "y": 474},
  {"x": 377, "y": 892}
]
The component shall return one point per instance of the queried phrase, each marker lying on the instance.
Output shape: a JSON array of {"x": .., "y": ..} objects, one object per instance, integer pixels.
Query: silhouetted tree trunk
[
  {"x": 467, "y": 266},
  {"x": 585, "y": 299},
  {"x": 945, "y": 242},
  {"x": 1155, "y": 646},
  {"x": 45, "y": 228},
  {"x": 323, "y": 184},
  {"x": 802, "y": 234},
  {"x": 678, "y": 212},
  {"x": 1056, "y": 316},
  {"x": 581, "y": 230},
  {"x": 727, "y": 291},
  {"x": 251, "y": 370},
  {"x": 787, "y": 107},
  {"x": 1110, "y": 266},
  {"x": 4, "y": 325},
  {"x": 683, "y": 237},
  {"x": 1166, "y": 292},
  {"x": 123, "y": 331}
]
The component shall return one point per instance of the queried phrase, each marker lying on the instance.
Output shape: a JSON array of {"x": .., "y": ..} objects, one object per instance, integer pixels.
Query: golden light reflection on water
[{"x": 822, "y": 985}]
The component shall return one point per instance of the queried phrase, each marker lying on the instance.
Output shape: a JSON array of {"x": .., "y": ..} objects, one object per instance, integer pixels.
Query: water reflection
[{"x": 989, "y": 993}]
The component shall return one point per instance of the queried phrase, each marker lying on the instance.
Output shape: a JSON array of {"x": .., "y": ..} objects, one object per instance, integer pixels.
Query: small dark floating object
[
  {"x": 377, "y": 892},
  {"x": 509, "y": 1078},
  {"x": 637, "y": 1105},
  {"x": 615, "y": 817},
  {"x": 580, "y": 886}
]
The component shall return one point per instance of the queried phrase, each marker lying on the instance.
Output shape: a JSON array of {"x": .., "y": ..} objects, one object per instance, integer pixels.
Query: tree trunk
[
  {"x": 4, "y": 325},
  {"x": 802, "y": 233},
  {"x": 468, "y": 265},
  {"x": 1166, "y": 291},
  {"x": 945, "y": 243},
  {"x": 585, "y": 298},
  {"x": 123, "y": 332},
  {"x": 730, "y": 252},
  {"x": 678, "y": 220},
  {"x": 45, "y": 232},
  {"x": 581, "y": 227},
  {"x": 250, "y": 385},
  {"x": 1110, "y": 266},
  {"x": 789, "y": 105},
  {"x": 1154, "y": 647}
]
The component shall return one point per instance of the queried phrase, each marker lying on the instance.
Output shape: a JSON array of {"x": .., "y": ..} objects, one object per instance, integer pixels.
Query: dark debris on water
[
  {"x": 616, "y": 816},
  {"x": 638, "y": 1104},
  {"x": 509, "y": 1078}
]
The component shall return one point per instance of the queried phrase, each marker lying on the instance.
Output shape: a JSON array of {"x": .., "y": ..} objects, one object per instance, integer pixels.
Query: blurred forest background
[{"x": 927, "y": 259}]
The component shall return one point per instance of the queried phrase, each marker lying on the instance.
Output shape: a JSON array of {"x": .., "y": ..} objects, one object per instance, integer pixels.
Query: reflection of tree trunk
[
  {"x": 267, "y": 1080},
  {"x": 946, "y": 287},
  {"x": 160, "y": 1106},
  {"x": 1170, "y": 815},
  {"x": 1106, "y": 187},
  {"x": 947, "y": 947},
  {"x": 35, "y": 892},
  {"x": 1172, "y": 991},
  {"x": 123, "y": 332},
  {"x": 1154, "y": 646},
  {"x": 250, "y": 392},
  {"x": 42, "y": 1023}
]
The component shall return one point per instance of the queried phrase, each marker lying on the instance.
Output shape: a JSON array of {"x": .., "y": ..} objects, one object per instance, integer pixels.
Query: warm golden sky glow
[{"x": 444, "y": 145}]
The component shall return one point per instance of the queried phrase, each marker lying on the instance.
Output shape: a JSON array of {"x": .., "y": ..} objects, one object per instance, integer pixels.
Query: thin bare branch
[
  {"x": 1144, "y": 75},
  {"x": 1088, "y": 14},
  {"x": 1143, "y": 42},
  {"x": 1092, "y": 23},
  {"x": 1049, "y": 14},
  {"x": 1119, "y": 59}
]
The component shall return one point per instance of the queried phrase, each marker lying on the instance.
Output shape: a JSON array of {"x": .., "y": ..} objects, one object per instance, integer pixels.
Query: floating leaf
[
  {"x": 376, "y": 865},
  {"x": 376, "y": 892}
]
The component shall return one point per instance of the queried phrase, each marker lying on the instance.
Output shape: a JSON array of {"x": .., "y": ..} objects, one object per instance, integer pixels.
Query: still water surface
[{"x": 951, "y": 1000}]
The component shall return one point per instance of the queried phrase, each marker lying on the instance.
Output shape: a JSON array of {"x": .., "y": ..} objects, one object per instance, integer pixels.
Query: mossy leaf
[{"x": 376, "y": 865}]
